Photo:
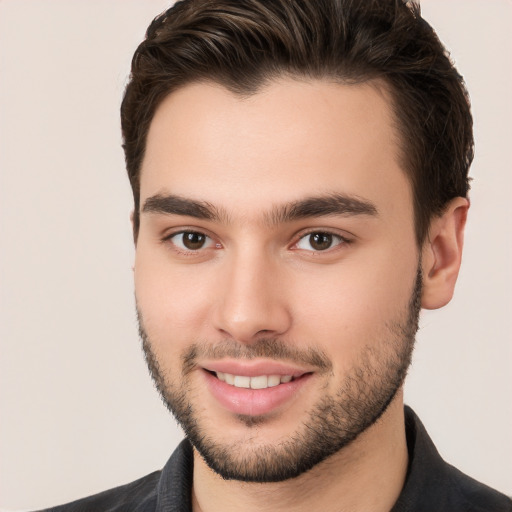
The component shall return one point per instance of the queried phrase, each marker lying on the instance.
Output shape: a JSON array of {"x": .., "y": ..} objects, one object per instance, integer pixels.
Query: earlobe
[{"x": 442, "y": 254}]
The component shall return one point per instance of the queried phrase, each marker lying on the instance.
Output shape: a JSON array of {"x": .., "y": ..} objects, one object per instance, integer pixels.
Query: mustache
[{"x": 270, "y": 348}]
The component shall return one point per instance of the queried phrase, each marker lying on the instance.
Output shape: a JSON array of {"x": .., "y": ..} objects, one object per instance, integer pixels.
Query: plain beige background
[{"x": 78, "y": 410}]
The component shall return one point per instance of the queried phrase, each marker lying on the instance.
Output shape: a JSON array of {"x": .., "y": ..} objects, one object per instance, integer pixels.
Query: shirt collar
[{"x": 426, "y": 476}]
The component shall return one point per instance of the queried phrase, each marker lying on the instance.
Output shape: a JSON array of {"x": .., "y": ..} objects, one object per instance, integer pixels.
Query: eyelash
[
  {"x": 185, "y": 251},
  {"x": 342, "y": 241}
]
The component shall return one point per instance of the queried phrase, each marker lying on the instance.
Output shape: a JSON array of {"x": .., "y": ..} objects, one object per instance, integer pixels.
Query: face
[{"x": 276, "y": 270}]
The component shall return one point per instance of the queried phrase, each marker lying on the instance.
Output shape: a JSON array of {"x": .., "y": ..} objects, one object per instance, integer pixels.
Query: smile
[
  {"x": 256, "y": 382},
  {"x": 255, "y": 388}
]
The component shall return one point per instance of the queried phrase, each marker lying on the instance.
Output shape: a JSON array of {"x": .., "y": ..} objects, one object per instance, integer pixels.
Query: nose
[{"x": 251, "y": 300}]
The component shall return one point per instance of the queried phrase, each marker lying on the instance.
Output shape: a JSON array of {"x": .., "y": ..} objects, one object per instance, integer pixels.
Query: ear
[{"x": 442, "y": 254}]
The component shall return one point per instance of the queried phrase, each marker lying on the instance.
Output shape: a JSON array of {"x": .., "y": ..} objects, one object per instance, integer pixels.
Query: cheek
[
  {"x": 169, "y": 298},
  {"x": 353, "y": 306}
]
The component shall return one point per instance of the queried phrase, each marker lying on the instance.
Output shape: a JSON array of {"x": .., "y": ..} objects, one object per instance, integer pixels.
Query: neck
[{"x": 368, "y": 475}]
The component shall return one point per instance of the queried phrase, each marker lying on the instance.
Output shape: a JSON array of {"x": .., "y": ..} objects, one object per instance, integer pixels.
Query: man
[{"x": 299, "y": 172}]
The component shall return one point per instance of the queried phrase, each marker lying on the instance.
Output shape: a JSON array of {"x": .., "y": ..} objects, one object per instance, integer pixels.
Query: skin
[{"x": 246, "y": 157}]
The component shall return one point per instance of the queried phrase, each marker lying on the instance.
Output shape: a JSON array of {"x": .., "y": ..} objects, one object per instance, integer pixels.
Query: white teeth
[
  {"x": 242, "y": 381},
  {"x": 258, "y": 382},
  {"x": 273, "y": 380}
]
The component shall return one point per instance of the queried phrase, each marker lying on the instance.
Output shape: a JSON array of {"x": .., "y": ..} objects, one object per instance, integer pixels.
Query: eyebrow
[
  {"x": 170, "y": 204},
  {"x": 322, "y": 206},
  {"x": 316, "y": 206}
]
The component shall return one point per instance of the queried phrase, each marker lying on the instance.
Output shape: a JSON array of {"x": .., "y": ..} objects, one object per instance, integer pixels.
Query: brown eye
[
  {"x": 191, "y": 240},
  {"x": 319, "y": 241}
]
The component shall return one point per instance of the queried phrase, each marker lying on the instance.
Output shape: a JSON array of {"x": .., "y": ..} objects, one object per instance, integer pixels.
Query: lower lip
[{"x": 254, "y": 402}]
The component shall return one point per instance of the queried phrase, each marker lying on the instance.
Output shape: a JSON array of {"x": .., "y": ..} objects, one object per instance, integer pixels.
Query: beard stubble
[{"x": 333, "y": 423}]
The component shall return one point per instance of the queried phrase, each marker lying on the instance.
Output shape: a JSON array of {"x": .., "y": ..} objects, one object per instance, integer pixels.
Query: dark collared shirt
[{"x": 431, "y": 485}]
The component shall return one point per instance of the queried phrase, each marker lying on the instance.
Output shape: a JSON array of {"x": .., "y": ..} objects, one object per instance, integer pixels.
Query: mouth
[
  {"x": 255, "y": 382},
  {"x": 255, "y": 389}
]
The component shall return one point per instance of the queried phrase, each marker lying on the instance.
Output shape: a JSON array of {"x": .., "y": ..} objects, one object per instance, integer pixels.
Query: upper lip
[{"x": 253, "y": 368}]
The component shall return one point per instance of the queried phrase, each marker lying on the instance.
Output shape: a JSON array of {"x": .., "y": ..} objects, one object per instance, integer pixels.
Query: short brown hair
[{"x": 243, "y": 44}]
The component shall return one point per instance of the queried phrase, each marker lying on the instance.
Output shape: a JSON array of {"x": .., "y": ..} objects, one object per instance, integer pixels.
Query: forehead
[{"x": 291, "y": 139}]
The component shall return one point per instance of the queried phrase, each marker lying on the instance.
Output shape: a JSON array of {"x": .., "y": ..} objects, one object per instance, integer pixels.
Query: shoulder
[
  {"x": 140, "y": 496},
  {"x": 476, "y": 496},
  {"x": 433, "y": 484},
  {"x": 170, "y": 487}
]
